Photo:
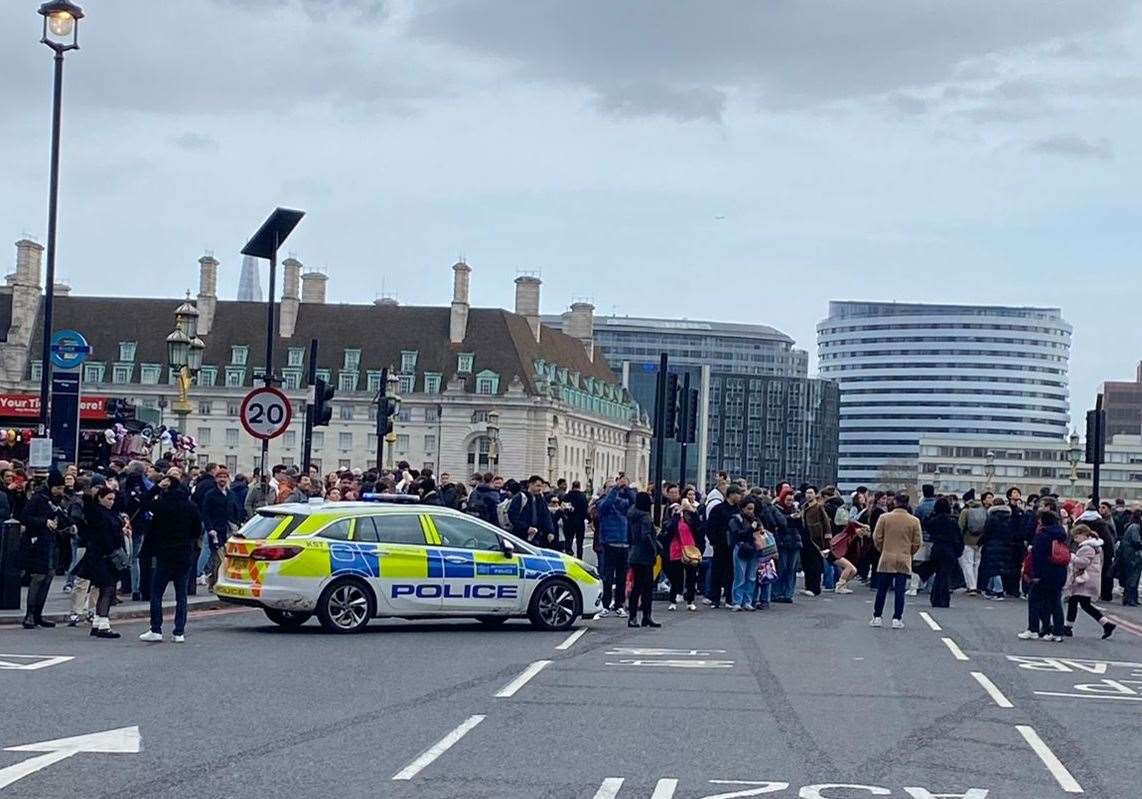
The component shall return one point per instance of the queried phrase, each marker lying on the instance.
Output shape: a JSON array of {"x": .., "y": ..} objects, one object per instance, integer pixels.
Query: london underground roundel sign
[{"x": 266, "y": 413}]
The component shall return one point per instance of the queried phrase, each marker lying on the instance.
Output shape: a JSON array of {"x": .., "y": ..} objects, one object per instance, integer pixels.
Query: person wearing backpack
[
  {"x": 973, "y": 518},
  {"x": 1050, "y": 557}
]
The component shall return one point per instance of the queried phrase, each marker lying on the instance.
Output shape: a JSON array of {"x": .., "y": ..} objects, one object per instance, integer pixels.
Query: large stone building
[
  {"x": 561, "y": 413},
  {"x": 761, "y": 417},
  {"x": 1122, "y": 400}
]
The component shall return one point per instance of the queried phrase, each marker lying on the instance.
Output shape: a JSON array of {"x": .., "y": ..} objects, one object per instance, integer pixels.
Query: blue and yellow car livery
[{"x": 352, "y": 561}]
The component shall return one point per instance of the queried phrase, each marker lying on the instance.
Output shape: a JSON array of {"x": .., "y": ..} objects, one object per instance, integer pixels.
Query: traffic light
[
  {"x": 386, "y": 413},
  {"x": 322, "y": 399},
  {"x": 691, "y": 433},
  {"x": 1095, "y": 436},
  {"x": 670, "y": 412}
]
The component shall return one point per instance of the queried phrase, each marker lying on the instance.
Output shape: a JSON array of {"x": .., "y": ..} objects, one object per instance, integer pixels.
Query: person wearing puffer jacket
[
  {"x": 1045, "y": 601},
  {"x": 1084, "y": 581}
]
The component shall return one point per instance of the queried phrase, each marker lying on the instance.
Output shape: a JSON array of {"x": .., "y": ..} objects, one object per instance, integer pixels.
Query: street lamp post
[
  {"x": 184, "y": 354},
  {"x": 1074, "y": 456},
  {"x": 989, "y": 471},
  {"x": 552, "y": 452},
  {"x": 61, "y": 33},
  {"x": 493, "y": 439},
  {"x": 392, "y": 385},
  {"x": 589, "y": 465}
]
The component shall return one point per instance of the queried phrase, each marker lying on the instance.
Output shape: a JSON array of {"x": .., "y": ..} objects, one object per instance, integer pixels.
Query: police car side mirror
[{"x": 508, "y": 547}]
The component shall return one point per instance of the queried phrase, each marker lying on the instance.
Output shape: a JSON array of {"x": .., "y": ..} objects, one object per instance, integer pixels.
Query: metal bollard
[{"x": 11, "y": 533}]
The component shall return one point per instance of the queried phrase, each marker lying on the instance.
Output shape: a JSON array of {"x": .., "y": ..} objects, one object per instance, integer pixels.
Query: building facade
[
  {"x": 908, "y": 371},
  {"x": 482, "y": 388},
  {"x": 952, "y": 464},
  {"x": 761, "y": 417},
  {"x": 1122, "y": 400}
]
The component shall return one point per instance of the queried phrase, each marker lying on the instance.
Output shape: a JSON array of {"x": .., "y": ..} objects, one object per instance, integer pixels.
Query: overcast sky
[{"x": 738, "y": 161}]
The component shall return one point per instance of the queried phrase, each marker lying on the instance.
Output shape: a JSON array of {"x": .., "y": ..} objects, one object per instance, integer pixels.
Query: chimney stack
[
  {"x": 207, "y": 292},
  {"x": 313, "y": 287},
  {"x": 458, "y": 322},
  {"x": 25, "y": 294},
  {"x": 527, "y": 301},
  {"x": 579, "y": 323},
  {"x": 28, "y": 256},
  {"x": 291, "y": 298}
]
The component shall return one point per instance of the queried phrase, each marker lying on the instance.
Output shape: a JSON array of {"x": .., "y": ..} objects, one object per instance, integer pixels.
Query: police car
[{"x": 349, "y": 562}]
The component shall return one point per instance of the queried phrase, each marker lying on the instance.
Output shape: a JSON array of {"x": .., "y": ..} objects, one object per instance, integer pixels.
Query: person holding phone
[{"x": 172, "y": 541}]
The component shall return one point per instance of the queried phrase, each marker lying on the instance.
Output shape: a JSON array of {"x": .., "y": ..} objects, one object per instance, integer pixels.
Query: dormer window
[
  {"x": 352, "y": 360},
  {"x": 464, "y": 363},
  {"x": 296, "y": 356},
  {"x": 127, "y": 351},
  {"x": 238, "y": 355},
  {"x": 408, "y": 360},
  {"x": 487, "y": 382}
]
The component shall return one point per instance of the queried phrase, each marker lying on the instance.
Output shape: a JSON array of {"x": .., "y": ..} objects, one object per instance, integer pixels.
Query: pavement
[
  {"x": 58, "y": 606},
  {"x": 800, "y": 701}
]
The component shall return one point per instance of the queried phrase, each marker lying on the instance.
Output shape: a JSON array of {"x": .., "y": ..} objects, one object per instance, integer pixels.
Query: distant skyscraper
[{"x": 250, "y": 282}]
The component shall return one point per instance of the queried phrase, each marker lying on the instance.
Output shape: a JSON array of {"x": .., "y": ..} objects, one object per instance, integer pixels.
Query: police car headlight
[{"x": 591, "y": 570}]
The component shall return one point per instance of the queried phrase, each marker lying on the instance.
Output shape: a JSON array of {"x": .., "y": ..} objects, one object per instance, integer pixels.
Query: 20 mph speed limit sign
[{"x": 266, "y": 413}]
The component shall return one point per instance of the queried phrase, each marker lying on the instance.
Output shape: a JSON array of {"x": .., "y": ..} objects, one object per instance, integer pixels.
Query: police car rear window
[{"x": 264, "y": 524}]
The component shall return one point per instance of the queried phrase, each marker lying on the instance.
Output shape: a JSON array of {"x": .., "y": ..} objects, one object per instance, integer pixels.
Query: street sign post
[
  {"x": 65, "y": 417},
  {"x": 266, "y": 413},
  {"x": 69, "y": 349}
]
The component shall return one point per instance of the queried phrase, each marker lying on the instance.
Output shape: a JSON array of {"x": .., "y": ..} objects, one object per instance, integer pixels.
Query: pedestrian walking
[
  {"x": 644, "y": 550},
  {"x": 1130, "y": 554},
  {"x": 898, "y": 537},
  {"x": 42, "y": 517},
  {"x": 105, "y": 558},
  {"x": 1084, "y": 581},
  {"x": 1049, "y": 559},
  {"x": 945, "y": 547},
  {"x": 973, "y": 518},
  {"x": 173, "y": 544}
]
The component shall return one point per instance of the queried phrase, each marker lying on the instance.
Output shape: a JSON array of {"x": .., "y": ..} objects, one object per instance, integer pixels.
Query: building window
[
  {"x": 207, "y": 375},
  {"x": 204, "y": 436},
  {"x": 402, "y": 442},
  {"x": 487, "y": 382},
  {"x": 231, "y": 436},
  {"x": 289, "y": 440},
  {"x": 318, "y": 439},
  {"x": 93, "y": 373},
  {"x": 323, "y": 374},
  {"x": 202, "y": 458},
  {"x": 121, "y": 373},
  {"x": 291, "y": 379},
  {"x": 345, "y": 441},
  {"x": 352, "y": 360},
  {"x": 408, "y": 360},
  {"x": 479, "y": 417},
  {"x": 238, "y": 355},
  {"x": 347, "y": 381},
  {"x": 404, "y": 415},
  {"x": 235, "y": 376},
  {"x": 232, "y": 464},
  {"x": 127, "y": 351},
  {"x": 345, "y": 412},
  {"x": 344, "y": 463},
  {"x": 149, "y": 374},
  {"x": 296, "y": 356},
  {"x": 374, "y": 381},
  {"x": 432, "y": 382},
  {"x": 37, "y": 370},
  {"x": 429, "y": 444},
  {"x": 287, "y": 460},
  {"x": 478, "y": 460},
  {"x": 205, "y": 407},
  {"x": 464, "y": 363},
  {"x": 407, "y": 384},
  {"x": 371, "y": 442},
  {"x": 233, "y": 408},
  {"x": 432, "y": 414}
]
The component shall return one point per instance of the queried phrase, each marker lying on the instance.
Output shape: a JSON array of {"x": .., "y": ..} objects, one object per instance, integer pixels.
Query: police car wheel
[
  {"x": 345, "y": 607},
  {"x": 287, "y": 618},
  {"x": 492, "y": 621},
  {"x": 555, "y": 606}
]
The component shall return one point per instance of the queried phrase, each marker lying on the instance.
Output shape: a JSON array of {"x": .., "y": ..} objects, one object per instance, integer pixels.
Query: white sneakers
[
  {"x": 807, "y": 592},
  {"x": 897, "y": 624},
  {"x": 691, "y": 606},
  {"x": 151, "y": 637},
  {"x": 910, "y": 592},
  {"x": 602, "y": 614},
  {"x": 841, "y": 588},
  {"x": 876, "y": 622},
  {"x": 179, "y": 639},
  {"x": 1027, "y": 635},
  {"x": 621, "y": 613},
  {"x": 672, "y": 606}
]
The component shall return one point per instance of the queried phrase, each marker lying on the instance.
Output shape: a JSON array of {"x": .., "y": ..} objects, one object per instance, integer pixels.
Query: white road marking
[
  {"x": 437, "y": 749},
  {"x": 664, "y": 789},
  {"x": 675, "y": 664},
  {"x": 572, "y": 638},
  {"x": 1067, "y": 782},
  {"x": 32, "y": 662},
  {"x": 125, "y": 740},
  {"x": 634, "y": 650},
  {"x": 930, "y": 621},
  {"x": 1089, "y": 696},
  {"x": 957, "y": 653},
  {"x": 992, "y": 690},
  {"x": 512, "y": 687},
  {"x": 610, "y": 788}
]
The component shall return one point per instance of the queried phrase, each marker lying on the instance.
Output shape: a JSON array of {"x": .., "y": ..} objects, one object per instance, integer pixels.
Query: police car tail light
[{"x": 275, "y": 553}]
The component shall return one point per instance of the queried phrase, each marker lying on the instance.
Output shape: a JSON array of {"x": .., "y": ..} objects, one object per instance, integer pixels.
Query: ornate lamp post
[
  {"x": 61, "y": 33},
  {"x": 589, "y": 466},
  {"x": 493, "y": 439},
  {"x": 552, "y": 452},
  {"x": 184, "y": 354},
  {"x": 1074, "y": 457},
  {"x": 989, "y": 471},
  {"x": 393, "y": 398}
]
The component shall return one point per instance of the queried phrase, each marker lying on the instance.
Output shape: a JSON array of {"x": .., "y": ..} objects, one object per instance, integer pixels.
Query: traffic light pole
[
  {"x": 310, "y": 398},
  {"x": 1100, "y": 444},
  {"x": 683, "y": 428},
  {"x": 659, "y": 434},
  {"x": 382, "y": 420},
  {"x": 269, "y": 367}
]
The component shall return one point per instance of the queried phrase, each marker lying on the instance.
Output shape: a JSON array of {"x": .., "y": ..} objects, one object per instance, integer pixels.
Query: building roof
[
  {"x": 500, "y": 340},
  {"x": 681, "y": 326},
  {"x": 860, "y": 308}
]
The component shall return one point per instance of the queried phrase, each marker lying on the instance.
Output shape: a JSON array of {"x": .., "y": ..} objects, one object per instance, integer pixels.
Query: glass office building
[{"x": 908, "y": 371}]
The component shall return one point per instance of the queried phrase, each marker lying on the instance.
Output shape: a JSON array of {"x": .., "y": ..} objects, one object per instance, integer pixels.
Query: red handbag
[{"x": 1060, "y": 554}]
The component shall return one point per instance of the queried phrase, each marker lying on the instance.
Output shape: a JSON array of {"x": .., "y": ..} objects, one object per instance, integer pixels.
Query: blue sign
[{"x": 69, "y": 349}]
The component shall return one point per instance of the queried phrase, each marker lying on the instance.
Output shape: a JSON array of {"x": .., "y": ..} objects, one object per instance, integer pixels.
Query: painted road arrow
[{"x": 121, "y": 741}]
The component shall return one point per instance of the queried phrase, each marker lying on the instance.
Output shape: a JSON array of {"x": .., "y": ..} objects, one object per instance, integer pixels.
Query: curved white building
[{"x": 909, "y": 370}]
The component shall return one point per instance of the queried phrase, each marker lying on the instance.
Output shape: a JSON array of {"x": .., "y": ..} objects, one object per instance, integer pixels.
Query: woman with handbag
[
  {"x": 742, "y": 526},
  {"x": 1050, "y": 557},
  {"x": 684, "y": 553},
  {"x": 105, "y": 558}
]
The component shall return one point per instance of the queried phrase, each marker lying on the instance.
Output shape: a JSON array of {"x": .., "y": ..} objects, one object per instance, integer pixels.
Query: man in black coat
[
  {"x": 485, "y": 499},
  {"x": 717, "y": 527},
  {"x": 575, "y": 522},
  {"x": 530, "y": 517},
  {"x": 173, "y": 541},
  {"x": 41, "y": 519}
]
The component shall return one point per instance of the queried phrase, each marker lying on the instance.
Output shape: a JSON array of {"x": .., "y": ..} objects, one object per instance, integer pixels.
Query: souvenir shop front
[{"x": 19, "y": 417}]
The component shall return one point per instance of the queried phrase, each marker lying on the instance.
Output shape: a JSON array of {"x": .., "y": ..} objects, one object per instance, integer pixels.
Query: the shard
[{"x": 250, "y": 282}]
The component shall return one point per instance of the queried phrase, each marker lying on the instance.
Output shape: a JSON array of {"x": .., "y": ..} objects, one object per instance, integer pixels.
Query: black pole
[
  {"x": 382, "y": 420},
  {"x": 659, "y": 435},
  {"x": 1099, "y": 443},
  {"x": 50, "y": 277},
  {"x": 269, "y": 367},
  {"x": 307, "y": 443},
  {"x": 683, "y": 426}
]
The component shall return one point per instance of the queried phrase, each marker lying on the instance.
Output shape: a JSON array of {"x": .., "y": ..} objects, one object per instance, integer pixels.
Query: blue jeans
[
  {"x": 705, "y": 575},
  {"x": 179, "y": 574},
  {"x": 203, "y": 556},
  {"x": 788, "y": 562},
  {"x": 764, "y": 593},
  {"x": 899, "y": 583},
  {"x": 829, "y": 576},
  {"x": 136, "y": 545},
  {"x": 745, "y": 578},
  {"x": 70, "y": 579}
]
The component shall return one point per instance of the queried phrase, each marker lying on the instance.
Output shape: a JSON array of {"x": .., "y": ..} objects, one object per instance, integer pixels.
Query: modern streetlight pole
[{"x": 61, "y": 33}]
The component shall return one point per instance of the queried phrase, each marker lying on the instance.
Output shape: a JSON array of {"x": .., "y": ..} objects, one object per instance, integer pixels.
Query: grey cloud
[
  {"x": 1072, "y": 145},
  {"x": 682, "y": 105},
  {"x": 195, "y": 142},
  {"x": 910, "y": 104}
]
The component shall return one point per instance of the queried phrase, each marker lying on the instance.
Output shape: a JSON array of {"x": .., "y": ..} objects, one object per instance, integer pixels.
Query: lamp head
[{"x": 61, "y": 25}]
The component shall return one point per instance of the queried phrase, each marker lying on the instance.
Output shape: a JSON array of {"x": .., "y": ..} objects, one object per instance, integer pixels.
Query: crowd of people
[{"x": 134, "y": 528}]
